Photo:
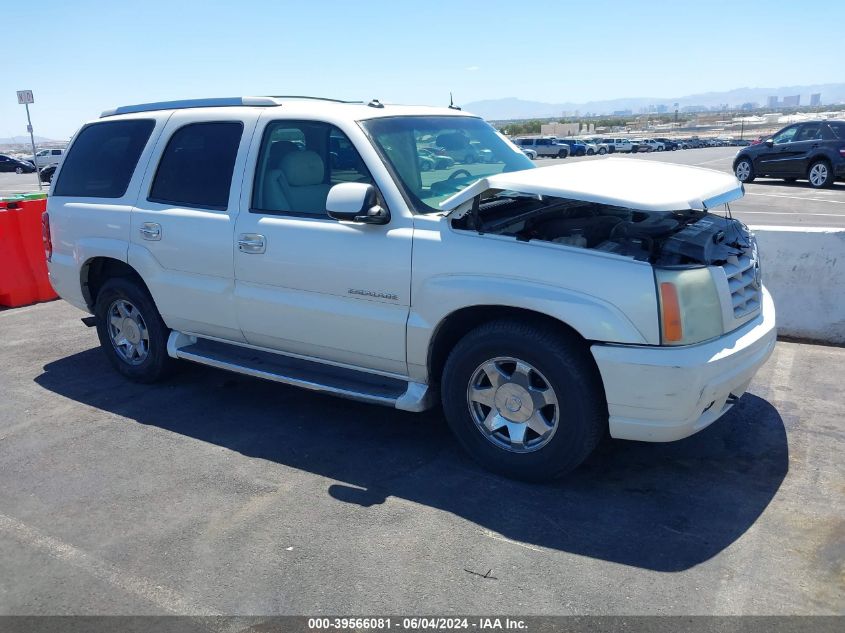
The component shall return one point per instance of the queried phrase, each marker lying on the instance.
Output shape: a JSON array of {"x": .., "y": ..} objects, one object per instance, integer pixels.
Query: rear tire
[
  {"x": 132, "y": 334},
  {"x": 820, "y": 175},
  {"x": 530, "y": 365},
  {"x": 562, "y": 154}
]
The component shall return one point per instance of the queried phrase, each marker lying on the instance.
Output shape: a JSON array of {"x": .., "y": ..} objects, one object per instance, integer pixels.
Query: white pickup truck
[{"x": 297, "y": 240}]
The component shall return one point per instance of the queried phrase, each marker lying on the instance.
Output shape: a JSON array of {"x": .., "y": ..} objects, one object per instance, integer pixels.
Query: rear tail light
[
  {"x": 45, "y": 236},
  {"x": 842, "y": 151}
]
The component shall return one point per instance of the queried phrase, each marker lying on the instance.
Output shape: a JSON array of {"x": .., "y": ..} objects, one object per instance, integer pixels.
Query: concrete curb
[{"x": 804, "y": 269}]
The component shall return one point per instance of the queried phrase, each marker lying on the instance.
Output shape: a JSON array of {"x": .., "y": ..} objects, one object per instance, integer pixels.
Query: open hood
[{"x": 643, "y": 185}]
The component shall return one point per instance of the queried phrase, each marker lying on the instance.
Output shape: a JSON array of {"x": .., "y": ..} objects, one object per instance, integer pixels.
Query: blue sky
[{"x": 93, "y": 54}]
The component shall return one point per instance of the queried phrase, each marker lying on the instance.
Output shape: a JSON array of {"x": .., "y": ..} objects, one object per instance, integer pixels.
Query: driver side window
[
  {"x": 298, "y": 163},
  {"x": 785, "y": 136}
]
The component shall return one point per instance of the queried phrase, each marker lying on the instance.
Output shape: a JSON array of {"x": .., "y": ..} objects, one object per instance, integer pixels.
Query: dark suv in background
[
  {"x": 575, "y": 148},
  {"x": 814, "y": 150}
]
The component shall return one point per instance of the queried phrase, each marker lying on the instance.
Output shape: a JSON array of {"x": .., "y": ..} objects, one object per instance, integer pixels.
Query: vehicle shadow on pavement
[{"x": 664, "y": 507}]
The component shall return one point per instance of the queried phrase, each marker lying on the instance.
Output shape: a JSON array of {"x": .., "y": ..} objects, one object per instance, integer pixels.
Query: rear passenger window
[
  {"x": 809, "y": 132},
  {"x": 196, "y": 167},
  {"x": 102, "y": 159}
]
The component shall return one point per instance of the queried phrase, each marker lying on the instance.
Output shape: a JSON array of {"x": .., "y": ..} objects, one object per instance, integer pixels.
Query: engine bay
[{"x": 662, "y": 238}]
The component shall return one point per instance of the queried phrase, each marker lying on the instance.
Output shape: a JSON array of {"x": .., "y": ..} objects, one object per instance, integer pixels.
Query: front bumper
[{"x": 662, "y": 394}]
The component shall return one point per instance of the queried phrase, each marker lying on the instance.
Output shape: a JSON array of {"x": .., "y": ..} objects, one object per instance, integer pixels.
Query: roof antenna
[{"x": 452, "y": 105}]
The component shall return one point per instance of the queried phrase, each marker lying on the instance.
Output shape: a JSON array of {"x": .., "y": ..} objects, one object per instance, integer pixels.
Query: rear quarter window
[
  {"x": 102, "y": 159},
  {"x": 838, "y": 130}
]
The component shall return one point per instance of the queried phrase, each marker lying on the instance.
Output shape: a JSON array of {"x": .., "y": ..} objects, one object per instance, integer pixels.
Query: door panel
[
  {"x": 302, "y": 295},
  {"x": 775, "y": 160},
  {"x": 184, "y": 250},
  {"x": 307, "y": 284}
]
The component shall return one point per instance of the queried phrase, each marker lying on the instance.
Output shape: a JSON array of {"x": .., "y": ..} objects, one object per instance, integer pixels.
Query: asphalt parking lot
[
  {"x": 767, "y": 201},
  {"x": 219, "y": 494}
]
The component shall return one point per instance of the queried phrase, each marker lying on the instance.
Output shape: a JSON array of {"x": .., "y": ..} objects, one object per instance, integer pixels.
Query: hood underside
[{"x": 643, "y": 185}]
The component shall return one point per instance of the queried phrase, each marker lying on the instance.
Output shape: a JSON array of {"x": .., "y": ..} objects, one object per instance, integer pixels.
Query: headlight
[{"x": 690, "y": 311}]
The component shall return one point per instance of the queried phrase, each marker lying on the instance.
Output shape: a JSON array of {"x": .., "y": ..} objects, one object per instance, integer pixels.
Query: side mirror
[
  {"x": 768, "y": 142},
  {"x": 355, "y": 202}
]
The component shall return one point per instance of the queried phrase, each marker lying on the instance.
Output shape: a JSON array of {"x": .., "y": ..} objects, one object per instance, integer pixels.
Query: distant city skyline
[{"x": 106, "y": 53}]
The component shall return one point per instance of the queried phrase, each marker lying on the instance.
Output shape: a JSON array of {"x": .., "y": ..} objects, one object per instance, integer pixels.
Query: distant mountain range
[
  {"x": 24, "y": 140},
  {"x": 515, "y": 108}
]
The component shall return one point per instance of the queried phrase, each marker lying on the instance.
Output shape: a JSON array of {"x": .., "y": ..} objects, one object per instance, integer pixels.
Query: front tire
[
  {"x": 562, "y": 154},
  {"x": 820, "y": 175},
  {"x": 524, "y": 401},
  {"x": 132, "y": 334},
  {"x": 602, "y": 151},
  {"x": 744, "y": 170}
]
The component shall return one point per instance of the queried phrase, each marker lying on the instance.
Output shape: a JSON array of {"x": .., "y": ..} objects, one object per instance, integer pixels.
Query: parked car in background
[
  {"x": 11, "y": 164},
  {"x": 813, "y": 150},
  {"x": 592, "y": 148},
  {"x": 653, "y": 144},
  {"x": 597, "y": 145},
  {"x": 457, "y": 146},
  {"x": 638, "y": 146},
  {"x": 45, "y": 174},
  {"x": 434, "y": 158},
  {"x": 50, "y": 156},
  {"x": 739, "y": 142},
  {"x": 668, "y": 144},
  {"x": 545, "y": 146},
  {"x": 529, "y": 152},
  {"x": 576, "y": 148},
  {"x": 618, "y": 144}
]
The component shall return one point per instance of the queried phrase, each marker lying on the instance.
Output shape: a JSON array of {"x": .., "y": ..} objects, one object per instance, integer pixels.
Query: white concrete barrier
[{"x": 804, "y": 269}]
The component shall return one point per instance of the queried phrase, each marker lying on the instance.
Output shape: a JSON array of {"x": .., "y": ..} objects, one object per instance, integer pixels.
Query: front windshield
[{"x": 434, "y": 157}]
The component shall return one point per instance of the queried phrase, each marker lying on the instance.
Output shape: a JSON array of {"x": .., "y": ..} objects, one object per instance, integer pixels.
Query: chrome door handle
[
  {"x": 151, "y": 231},
  {"x": 251, "y": 243}
]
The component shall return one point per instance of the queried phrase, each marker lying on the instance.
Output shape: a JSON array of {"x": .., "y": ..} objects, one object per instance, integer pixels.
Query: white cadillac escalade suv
[{"x": 298, "y": 240}]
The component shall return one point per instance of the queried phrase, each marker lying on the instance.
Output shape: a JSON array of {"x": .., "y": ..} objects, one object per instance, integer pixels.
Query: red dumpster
[{"x": 23, "y": 268}]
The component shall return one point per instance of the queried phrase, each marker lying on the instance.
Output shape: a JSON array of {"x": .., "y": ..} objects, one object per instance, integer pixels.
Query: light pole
[{"x": 26, "y": 97}]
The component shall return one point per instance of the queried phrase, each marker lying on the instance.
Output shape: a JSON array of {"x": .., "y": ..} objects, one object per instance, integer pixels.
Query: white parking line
[
  {"x": 797, "y": 213},
  {"x": 715, "y": 160},
  {"x": 780, "y": 195}
]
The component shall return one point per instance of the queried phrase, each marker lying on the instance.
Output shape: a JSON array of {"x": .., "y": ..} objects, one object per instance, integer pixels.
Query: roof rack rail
[
  {"x": 314, "y": 98},
  {"x": 193, "y": 103}
]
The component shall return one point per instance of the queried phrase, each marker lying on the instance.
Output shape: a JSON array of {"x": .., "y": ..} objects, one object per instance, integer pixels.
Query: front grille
[{"x": 743, "y": 273}]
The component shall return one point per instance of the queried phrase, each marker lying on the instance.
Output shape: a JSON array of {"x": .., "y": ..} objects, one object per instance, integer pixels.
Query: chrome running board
[{"x": 297, "y": 372}]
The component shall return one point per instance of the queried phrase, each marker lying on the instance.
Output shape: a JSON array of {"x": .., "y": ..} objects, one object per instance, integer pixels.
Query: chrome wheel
[
  {"x": 513, "y": 404},
  {"x": 818, "y": 174},
  {"x": 743, "y": 170},
  {"x": 128, "y": 332}
]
